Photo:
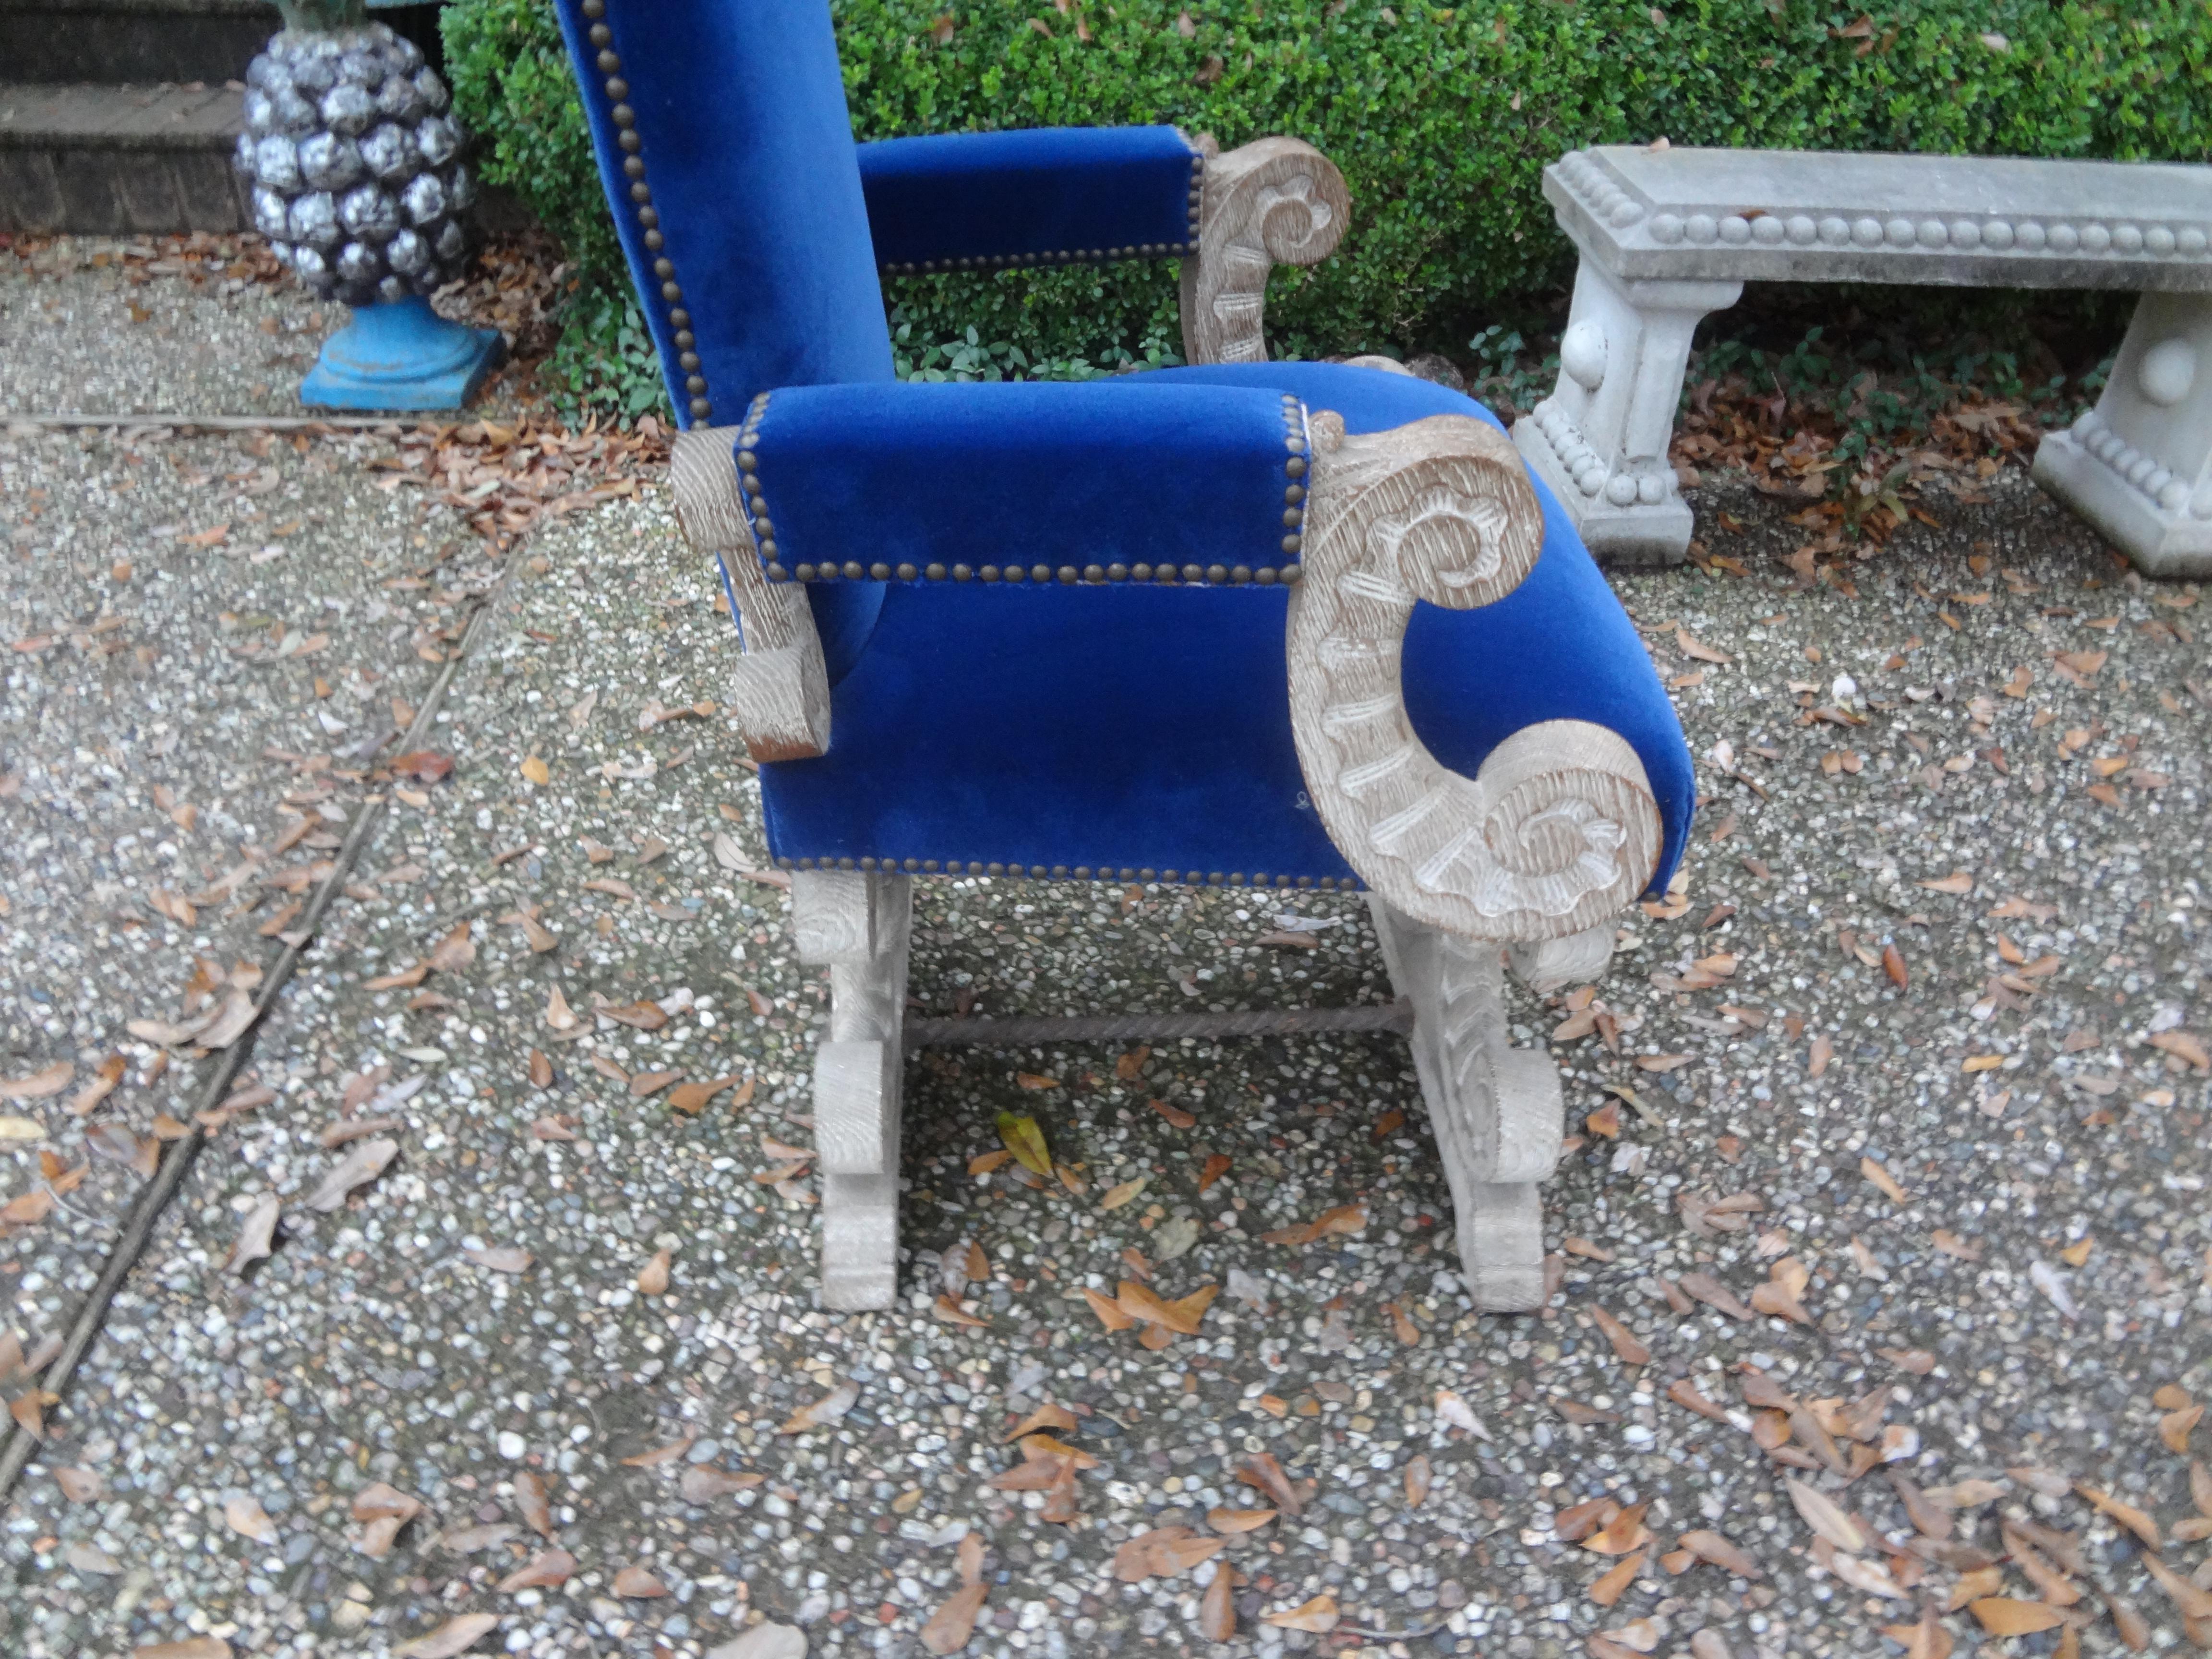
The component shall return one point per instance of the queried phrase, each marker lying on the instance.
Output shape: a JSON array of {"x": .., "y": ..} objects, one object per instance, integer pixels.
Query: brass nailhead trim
[
  {"x": 1215, "y": 575},
  {"x": 1193, "y": 213},
  {"x": 1080, "y": 872},
  {"x": 700, "y": 407}
]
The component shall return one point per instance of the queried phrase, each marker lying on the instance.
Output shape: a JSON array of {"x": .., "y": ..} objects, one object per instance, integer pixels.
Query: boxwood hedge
[{"x": 1441, "y": 117}]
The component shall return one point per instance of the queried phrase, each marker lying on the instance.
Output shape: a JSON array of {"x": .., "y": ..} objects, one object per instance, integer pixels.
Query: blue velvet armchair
[{"x": 1242, "y": 623}]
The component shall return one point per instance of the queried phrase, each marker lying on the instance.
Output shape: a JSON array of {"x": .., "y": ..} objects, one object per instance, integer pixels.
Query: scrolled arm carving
[
  {"x": 1273, "y": 201},
  {"x": 779, "y": 688},
  {"x": 1558, "y": 831}
]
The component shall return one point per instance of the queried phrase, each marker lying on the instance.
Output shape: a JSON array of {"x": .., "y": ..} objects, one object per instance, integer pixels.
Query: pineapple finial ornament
[{"x": 354, "y": 161}]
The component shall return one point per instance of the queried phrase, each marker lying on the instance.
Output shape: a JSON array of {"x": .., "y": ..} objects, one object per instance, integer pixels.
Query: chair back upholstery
[{"x": 728, "y": 157}]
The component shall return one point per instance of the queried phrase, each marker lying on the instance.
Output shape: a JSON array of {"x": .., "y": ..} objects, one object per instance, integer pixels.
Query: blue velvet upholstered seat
[{"x": 1064, "y": 726}]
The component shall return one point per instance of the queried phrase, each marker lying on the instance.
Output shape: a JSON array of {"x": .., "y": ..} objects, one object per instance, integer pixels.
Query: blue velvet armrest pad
[
  {"x": 997, "y": 482},
  {"x": 1026, "y": 197}
]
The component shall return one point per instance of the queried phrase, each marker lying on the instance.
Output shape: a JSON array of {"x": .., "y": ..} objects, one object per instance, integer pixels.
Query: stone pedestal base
[
  {"x": 2139, "y": 465},
  {"x": 402, "y": 356},
  {"x": 1600, "y": 441}
]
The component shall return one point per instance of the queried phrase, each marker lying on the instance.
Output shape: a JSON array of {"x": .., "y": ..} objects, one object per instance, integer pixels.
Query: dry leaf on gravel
[
  {"x": 1456, "y": 1412},
  {"x": 1927, "y": 1639},
  {"x": 692, "y": 1097},
  {"x": 652, "y": 1278},
  {"x": 467, "y": 1540},
  {"x": 1778, "y": 1297},
  {"x": 827, "y": 1409},
  {"x": 115, "y": 1144},
  {"x": 455, "y": 1635},
  {"x": 1623, "y": 1533},
  {"x": 199, "y": 1647},
  {"x": 948, "y": 1629},
  {"x": 1873, "y": 1171},
  {"x": 1869, "y": 1576},
  {"x": 1237, "y": 1520},
  {"x": 1712, "y": 1548},
  {"x": 702, "y": 1482},
  {"x": 532, "y": 1504},
  {"x": 1420, "y": 1477},
  {"x": 639, "y": 1583},
  {"x": 1343, "y": 1218},
  {"x": 1715, "y": 1295},
  {"x": 547, "y": 1570},
  {"x": 2002, "y": 1615},
  {"x": 41, "y": 1085},
  {"x": 659, "y": 1455},
  {"x": 249, "y": 1520},
  {"x": 1616, "y": 1579},
  {"x": 256, "y": 1235},
  {"x": 362, "y": 1165},
  {"x": 456, "y": 951},
  {"x": 2126, "y": 1513},
  {"x": 1216, "y": 1608},
  {"x": 1827, "y": 1517},
  {"x": 1025, "y": 1140},
  {"x": 1264, "y": 1473},
  {"x": 79, "y": 1485},
  {"x": 1626, "y": 1347},
  {"x": 2192, "y": 1601},
  {"x": 1318, "y": 1616}
]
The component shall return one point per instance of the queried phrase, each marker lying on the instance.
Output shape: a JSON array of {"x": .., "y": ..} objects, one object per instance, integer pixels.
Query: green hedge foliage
[{"x": 1441, "y": 117}]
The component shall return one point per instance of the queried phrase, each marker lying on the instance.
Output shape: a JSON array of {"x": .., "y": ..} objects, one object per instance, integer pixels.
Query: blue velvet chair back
[{"x": 724, "y": 147}]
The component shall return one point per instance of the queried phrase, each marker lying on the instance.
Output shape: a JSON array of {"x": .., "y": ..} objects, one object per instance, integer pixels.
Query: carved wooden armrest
[
  {"x": 1273, "y": 201},
  {"x": 1558, "y": 832},
  {"x": 780, "y": 686}
]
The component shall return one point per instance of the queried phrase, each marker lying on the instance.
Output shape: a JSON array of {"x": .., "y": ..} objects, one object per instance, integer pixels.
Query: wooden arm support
[
  {"x": 1558, "y": 831},
  {"x": 1273, "y": 201},
  {"x": 779, "y": 687}
]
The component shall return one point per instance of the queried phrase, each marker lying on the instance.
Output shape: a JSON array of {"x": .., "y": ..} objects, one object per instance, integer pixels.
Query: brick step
[
  {"x": 129, "y": 41},
  {"x": 149, "y": 42},
  {"x": 116, "y": 160},
  {"x": 141, "y": 161}
]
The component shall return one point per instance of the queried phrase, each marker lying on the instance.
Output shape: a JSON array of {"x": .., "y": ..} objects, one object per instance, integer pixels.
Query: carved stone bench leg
[
  {"x": 859, "y": 924},
  {"x": 2139, "y": 465},
  {"x": 1600, "y": 441},
  {"x": 1496, "y": 1110}
]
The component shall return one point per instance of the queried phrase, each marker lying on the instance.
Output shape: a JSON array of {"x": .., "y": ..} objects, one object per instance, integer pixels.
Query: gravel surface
[
  {"x": 182, "y": 616},
  {"x": 1970, "y": 1114},
  {"x": 110, "y": 327}
]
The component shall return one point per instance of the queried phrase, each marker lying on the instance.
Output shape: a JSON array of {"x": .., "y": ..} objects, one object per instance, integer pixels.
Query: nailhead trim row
[
  {"x": 1194, "y": 212},
  {"x": 701, "y": 406},
  {"x": 1068, "y": 575},
  {"x": 1080, "y": 872}
]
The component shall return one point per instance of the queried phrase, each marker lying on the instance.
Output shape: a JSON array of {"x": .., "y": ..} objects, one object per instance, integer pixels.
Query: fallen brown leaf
[
  {"x": 1617, "y": 1578},
  {"x": 547, "y": 1570},
  {"x": 2002, "y": 1615},
  {"x": 1626, "y": 1345},
  {"x": 948, "y": 1629},
  {"x": 1318, "y": 1617},
  {"x": 1827, "y": 1517}
]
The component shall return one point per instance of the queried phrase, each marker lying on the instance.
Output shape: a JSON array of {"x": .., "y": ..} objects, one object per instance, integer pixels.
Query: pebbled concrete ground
[{"x": 1991, "y": 1176}]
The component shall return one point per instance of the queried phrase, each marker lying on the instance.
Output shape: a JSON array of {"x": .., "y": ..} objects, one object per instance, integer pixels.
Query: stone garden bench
[{"x": 1666, "y": 235}]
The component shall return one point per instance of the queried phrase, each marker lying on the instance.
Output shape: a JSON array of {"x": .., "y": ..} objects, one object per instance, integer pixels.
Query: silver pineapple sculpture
[{"x": 357, "y": 179}]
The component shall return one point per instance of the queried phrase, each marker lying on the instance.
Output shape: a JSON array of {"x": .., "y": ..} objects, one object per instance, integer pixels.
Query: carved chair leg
[
  {"x": 859, "y": 924},
  {"x": 1496, "y": 1110}
]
